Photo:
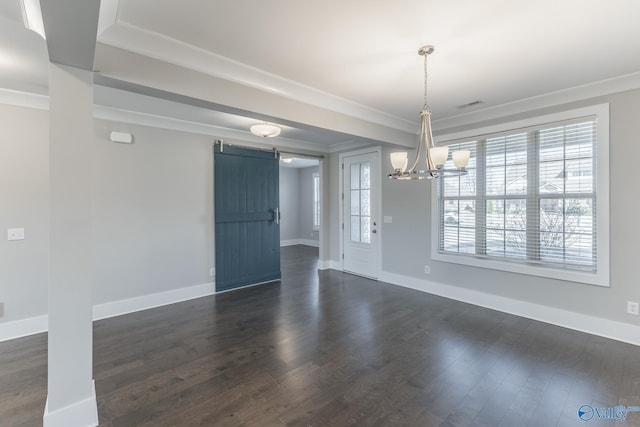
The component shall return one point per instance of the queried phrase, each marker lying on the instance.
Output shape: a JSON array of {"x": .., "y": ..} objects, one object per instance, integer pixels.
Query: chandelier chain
[{"x": 426, "y": 105}]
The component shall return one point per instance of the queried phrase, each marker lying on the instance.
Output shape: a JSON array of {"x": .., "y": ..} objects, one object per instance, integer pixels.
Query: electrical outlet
[
  {"x": 427, "y": 269},
  {"x": 212, "y": 272},
  {"x": 633, "y": 308}
]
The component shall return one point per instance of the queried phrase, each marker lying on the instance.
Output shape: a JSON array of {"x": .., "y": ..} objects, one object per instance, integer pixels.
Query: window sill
[{"x": 596, "y": 279}]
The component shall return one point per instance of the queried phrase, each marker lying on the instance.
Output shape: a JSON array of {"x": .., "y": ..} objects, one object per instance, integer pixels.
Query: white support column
[{"x": 71, "y": 399}]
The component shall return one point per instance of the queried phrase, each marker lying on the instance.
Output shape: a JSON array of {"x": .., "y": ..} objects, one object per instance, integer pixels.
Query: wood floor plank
[{"x": 323, "y": 348}]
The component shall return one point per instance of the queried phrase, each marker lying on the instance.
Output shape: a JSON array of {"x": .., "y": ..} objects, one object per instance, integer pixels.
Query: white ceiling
[
  {"x": 357, "y": 57},
  {"x": 366, "y": 51}
]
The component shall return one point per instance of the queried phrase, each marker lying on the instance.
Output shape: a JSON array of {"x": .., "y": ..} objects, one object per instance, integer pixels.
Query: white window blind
[{"x": 530, "y": 198}]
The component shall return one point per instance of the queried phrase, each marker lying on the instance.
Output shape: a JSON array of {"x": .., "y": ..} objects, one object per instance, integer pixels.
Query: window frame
[{"x": 601, "y": 277}]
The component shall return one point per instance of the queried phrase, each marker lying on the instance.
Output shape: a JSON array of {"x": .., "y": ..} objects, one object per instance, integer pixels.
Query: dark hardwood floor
[{"x": 327, "y": 348}]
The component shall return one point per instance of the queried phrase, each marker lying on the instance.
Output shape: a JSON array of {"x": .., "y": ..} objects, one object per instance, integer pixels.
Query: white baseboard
[
  {"x": 619, "y": 331},
  {"x": 329, "y": 264},
  {"x": 306, "y": 242},
  {"x": 131, "y": 305},
  {"x": 38, "y": 324},
  {"x": 23, "y": 327},
  {"x": 580, "y": 322},
  {"x": 80, "y": 414}
]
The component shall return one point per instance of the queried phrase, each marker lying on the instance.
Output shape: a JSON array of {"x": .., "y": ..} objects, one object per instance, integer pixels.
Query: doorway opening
[{"x": 300, "y": 201}]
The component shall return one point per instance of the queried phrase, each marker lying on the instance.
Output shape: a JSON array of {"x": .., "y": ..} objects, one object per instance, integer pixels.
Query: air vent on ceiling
[{"x": 470, "y": 104}]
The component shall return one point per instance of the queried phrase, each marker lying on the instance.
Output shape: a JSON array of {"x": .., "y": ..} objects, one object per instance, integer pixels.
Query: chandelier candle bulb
[
  {"x": 439, "y": 155},
  {"x": 461, "y": 158},
  {"x": 399, "y": 160}
]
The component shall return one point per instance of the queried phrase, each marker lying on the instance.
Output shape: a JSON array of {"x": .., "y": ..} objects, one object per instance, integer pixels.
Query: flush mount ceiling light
[
  {"x": 286, "y": 159},
  {"x": 265, "y": 130},
  {"x": 430, "y": 160},
  {"x": 32, "y": 16}
]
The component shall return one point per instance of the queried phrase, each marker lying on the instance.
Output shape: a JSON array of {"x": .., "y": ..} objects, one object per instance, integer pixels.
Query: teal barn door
[{"x": 247, "y": 231}]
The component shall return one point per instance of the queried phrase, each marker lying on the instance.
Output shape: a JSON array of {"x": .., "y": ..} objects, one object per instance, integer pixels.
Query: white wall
[
  {"x": 153, "y": 212},
  {"x": 328, "y": 200},
  {"x": 296, "y": 205},
  {"x": 153, "y": 206},
  {"x": 289, "y": 204},
  {"x": 406, "y": 241},
  {"x": 305, "y": 230},
  {"x": 24, "y": 203},
  {"x": 154, "y": 219},
  {"x": 332, "y": 211}
]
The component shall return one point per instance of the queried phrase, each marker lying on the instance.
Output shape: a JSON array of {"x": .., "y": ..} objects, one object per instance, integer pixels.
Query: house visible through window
[
  {"x": 316, "y": 201},
  {"x": 530, "y": 202}
]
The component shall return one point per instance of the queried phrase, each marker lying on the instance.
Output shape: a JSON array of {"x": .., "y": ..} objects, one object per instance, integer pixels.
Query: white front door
[{"x": 361, "y": 182}]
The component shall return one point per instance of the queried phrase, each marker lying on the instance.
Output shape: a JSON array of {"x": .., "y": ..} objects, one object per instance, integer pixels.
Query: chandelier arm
[
  {"x": 418, "y": 155},
  {"x": 425, "y": 123},
  {"x": 423, "y": 142},
  {"x": 428, "y": 141}
]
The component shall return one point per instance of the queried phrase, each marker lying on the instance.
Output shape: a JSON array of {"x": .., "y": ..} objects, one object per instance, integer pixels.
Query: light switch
[
  {"x": 15, "y": 234},
  {"x": 388, "y": 219}
]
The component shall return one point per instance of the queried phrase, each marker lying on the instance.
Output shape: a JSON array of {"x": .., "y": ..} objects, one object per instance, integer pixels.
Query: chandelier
[{"x": 430, "y": 160}]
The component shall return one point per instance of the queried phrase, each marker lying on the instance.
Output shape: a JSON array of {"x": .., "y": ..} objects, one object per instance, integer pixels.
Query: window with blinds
[{"x": 530, "y": 198}]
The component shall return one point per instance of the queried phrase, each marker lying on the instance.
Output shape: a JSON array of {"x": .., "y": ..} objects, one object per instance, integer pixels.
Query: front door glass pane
[{"x": 360, "y": 202}]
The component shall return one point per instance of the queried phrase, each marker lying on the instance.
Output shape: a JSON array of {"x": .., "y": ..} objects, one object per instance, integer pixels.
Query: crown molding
[
  {"x": 24, "y": 99},
  {"x": 578, "y": 93},
  {"x": 41, "y": 102},
  {"x": 347, "y": 146},
  {"x": 108, "y": 15},
  {"x": 564, "y": 96},
  {"x": 169, "y": 123},
  {"x": 128, "y": 37}
]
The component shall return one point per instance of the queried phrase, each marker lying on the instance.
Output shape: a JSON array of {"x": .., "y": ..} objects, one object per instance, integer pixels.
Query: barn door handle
[{"x": 276, "y": 214}]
